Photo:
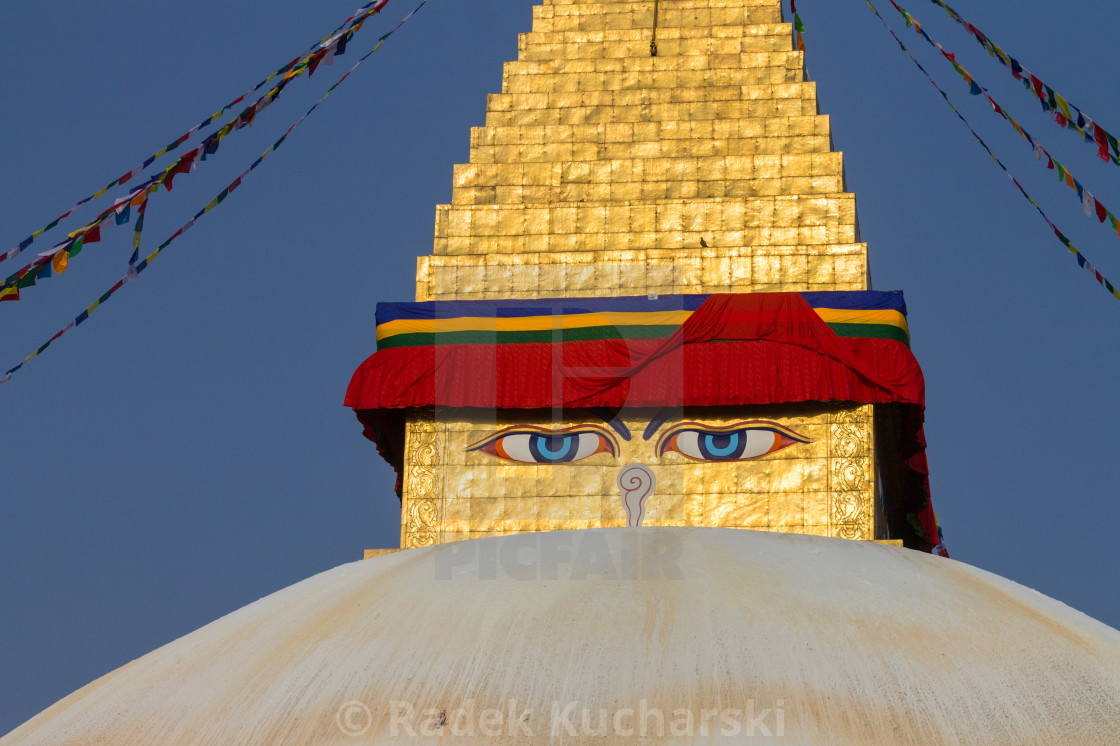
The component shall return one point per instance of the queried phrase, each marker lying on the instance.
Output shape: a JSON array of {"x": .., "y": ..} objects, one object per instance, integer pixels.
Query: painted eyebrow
[
  {"x": 613, "y": 420},
  {"x": 655, "y": 424}
]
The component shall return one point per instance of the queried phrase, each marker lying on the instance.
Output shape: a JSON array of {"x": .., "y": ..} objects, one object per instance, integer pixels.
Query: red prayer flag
[
  {"x": 1102, "y": 142},
  {"x": 1102, "y": 214},
  {"x": 1037, "y": 85},
  {"x": 314, "y": 63},
  {"x": 183, "y": 166}
]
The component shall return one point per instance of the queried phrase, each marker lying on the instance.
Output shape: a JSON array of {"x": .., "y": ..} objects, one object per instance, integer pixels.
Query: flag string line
[
  {"x": 56, "y": 260},
  {"x": 1065, "y": 114},
  {"x": 353, "y": 23},
  {"x": 1081, "y": 259},
  {"x": 798, "y": 26},
  {"x": 1092, "y": 206},
  {"x": 135, "y": 269}
]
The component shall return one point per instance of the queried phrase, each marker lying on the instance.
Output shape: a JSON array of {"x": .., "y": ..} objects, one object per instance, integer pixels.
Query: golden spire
[
  {"x": 603, "y": 170},
  {"x": 606, "y": 170}
]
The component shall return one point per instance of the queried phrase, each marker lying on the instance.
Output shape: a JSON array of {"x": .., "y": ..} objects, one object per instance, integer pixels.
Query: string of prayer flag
[
  {"x": 136, "y": 267},
  {"x": 56, "y": 260},
  {"x": 335, "y": 42},
  {"x": 1092, "y": 206},
  {"x": 1082, "y": 261},
  {"x": 798, "y": 26},
  {"x": 1060, "y": 109},
  {"x": 42, "y": 268}
]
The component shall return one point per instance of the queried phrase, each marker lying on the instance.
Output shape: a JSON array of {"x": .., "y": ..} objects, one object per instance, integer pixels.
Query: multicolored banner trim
[
  {"x": 136, "y": 267},
  {"x": 1082, "y": 261},
  {"x": 1064, "y": 113},
  {"x": 53, "y": 262},
  {"x": 319, "y": 50},
  {"x": 866, "y": 314},
  {"x": 1091, "y": 205}
]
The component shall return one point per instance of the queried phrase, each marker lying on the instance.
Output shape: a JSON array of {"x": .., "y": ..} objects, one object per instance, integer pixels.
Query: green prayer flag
[
  {"x": 28, "y": 280},
  {"x": 797, "y": 24}
]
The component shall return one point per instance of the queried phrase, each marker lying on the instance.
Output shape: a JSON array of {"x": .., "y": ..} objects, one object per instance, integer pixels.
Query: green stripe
[
  {"x": 875, "y": 331},
  {"x": 427, "y": 339},
  {"x": 420, "y": 339}
]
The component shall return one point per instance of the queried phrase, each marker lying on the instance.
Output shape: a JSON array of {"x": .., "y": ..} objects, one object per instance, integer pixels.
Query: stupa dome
[{"x": 689, "y": 635}]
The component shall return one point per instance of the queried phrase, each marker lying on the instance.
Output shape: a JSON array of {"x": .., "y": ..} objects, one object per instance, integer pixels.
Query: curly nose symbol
[{"x": 636, "y": 482}]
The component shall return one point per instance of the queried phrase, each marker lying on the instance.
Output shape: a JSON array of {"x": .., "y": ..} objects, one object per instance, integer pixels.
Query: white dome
[{"x": 809, "y": 640}]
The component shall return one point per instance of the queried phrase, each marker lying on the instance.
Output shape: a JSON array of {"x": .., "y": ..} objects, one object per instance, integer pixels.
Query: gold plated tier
[{"x": 705, "y": 168}]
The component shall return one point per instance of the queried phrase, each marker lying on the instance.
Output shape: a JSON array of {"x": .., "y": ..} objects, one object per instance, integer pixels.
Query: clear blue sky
[{"x": 186, "y": 451}]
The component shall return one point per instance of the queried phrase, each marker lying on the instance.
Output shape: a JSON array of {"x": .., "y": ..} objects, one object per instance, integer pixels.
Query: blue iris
[
  {"x": 722, "y": 445},
  {"x": 553, "y": 448}
]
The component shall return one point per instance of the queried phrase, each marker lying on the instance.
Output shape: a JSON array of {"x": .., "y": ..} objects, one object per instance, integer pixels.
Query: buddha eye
[
  {"x": 533, "y": 446},
  {"x": 739, "y": 442}
]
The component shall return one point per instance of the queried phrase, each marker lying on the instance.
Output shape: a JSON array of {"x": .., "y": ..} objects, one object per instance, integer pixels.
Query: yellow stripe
[
  {"x": 609, "y": 318},
  {"x": 531, "y": 323},
  {"x": 858, "y": 316}
]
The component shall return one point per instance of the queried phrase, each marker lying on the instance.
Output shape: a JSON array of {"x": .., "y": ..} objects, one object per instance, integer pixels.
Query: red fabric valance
[{"x": 760, "y": 348}]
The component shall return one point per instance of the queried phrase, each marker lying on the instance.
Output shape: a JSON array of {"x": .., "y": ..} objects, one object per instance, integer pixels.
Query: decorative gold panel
[
  {"x": 823, "y": 486},
  {"x": 423, "y": 487},
  {"x": 851, "y": 481}
]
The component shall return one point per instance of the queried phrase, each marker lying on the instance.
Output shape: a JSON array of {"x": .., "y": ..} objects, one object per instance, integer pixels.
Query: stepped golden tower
[
  {"x": 605, "y": 170},
  {"x": 647, "y": 148}
]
